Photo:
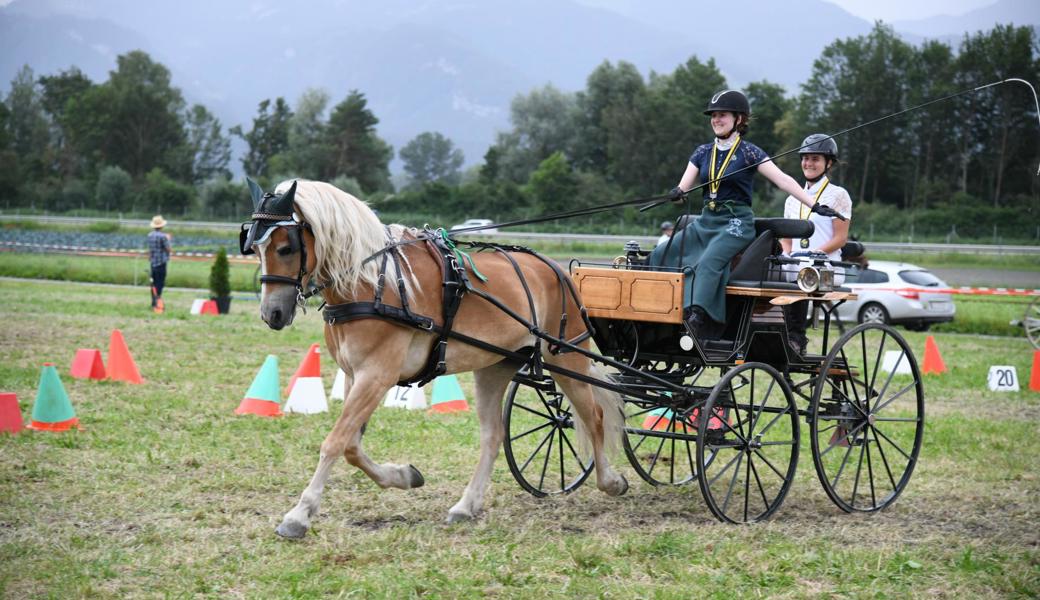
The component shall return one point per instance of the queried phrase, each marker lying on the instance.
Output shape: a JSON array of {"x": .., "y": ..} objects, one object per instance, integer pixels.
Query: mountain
[
  {"x": 451, "y": 66},
  {"x": 946, "y": 27}
]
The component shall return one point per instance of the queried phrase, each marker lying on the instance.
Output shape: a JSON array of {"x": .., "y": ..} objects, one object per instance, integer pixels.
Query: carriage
[
  {"x": 405, "y": 305},
  {"x": 727, "y": 410}
]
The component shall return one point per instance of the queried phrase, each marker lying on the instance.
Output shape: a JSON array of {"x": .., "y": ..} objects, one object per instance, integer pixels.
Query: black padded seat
[
  {"x": 852, "y": 249},
  {"x": 781, "y": 228},
  {"x": 758, "y": 283},
  {"x": 785, "y": 228}
]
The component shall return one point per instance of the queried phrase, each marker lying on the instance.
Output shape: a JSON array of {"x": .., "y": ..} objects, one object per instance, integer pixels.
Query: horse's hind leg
[
  {"x": 491, "y": 385},
  {"x": 345, "y": 440},
  {"x": 595, "y": 408}
]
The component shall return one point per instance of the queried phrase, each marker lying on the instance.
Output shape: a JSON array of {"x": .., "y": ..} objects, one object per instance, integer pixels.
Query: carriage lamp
[{"x": 815, "y": 279}]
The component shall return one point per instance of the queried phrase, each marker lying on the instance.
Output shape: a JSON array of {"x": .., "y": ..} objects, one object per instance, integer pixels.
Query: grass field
[{"x": 166, "y": 493}]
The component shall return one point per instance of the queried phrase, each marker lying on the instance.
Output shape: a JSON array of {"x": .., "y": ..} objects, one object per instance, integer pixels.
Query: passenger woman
[
  {"x": 726, "y": 224},
  {"x": 819, "y": 152}
]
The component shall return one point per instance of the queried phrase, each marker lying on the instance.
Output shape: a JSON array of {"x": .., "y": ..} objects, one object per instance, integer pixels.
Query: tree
[
  {"x": 268, "y": 137},
  {"x": 544, "y": 122},
  {"x": 307, "y": 150},
  {"x": 210, "y": 148},
  {"x": 768, "y": 105},
  {"x": 432, "y": 157},
  {"x": 113, "y": 189},
  {"x": 27, "y": 124},
  {"x": 608, "y": 90},
  {"x": 355, "y": 149},
  {"x": 58, "y": 93},
  {"x": 553, "y": 184},
  {"x": 162, "y": 194}
]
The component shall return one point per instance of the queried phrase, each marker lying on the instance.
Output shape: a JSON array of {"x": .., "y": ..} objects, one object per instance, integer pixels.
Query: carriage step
[{"x": 544, "y": 384}]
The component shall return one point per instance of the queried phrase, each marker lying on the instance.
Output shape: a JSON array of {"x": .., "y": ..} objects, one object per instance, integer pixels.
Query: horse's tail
[{"x": 612, "y": 407}]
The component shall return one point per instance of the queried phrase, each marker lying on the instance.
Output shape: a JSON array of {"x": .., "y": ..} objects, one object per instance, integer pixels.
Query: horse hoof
[
  {"x": 620, "y": 488},
  {"x": 624, "y": 486},
  {"x": 415, "y": 478},
  {"x": 291, "y": 530},
  {"x": 457, "y": 517}
]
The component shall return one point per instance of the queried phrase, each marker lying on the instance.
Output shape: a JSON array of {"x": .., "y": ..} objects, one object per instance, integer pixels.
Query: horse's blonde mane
[{"x": 346, "y": 232}]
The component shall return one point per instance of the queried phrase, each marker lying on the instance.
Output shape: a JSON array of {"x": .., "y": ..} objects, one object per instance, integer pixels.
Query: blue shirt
[
  {"x": 735, "y": 187},
  {"x": 158, "y": 248}
]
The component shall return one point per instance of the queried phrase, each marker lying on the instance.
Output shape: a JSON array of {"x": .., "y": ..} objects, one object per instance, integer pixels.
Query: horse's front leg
[{"x": 345, "y": 440}]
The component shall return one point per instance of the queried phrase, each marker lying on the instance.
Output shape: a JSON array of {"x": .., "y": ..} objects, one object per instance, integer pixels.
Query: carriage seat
[
  {"x": 781, "y": 228},
  {"x": 851, "y": 250}
]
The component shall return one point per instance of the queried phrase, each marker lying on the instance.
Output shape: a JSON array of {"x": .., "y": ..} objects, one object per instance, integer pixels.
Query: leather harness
[{"x": 456, "y": 284}]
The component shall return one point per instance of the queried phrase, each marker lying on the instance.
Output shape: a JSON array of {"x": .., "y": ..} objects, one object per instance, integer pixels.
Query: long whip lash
[{"x": 654, "y": 201}]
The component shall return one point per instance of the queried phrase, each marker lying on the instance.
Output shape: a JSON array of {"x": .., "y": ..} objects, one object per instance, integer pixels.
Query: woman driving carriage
[
  {"x": 726, "y": 224},
  {"x": 819, "y": 152}
]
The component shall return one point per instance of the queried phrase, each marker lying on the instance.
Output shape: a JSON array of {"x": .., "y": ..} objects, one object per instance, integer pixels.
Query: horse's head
[{"x": 285, "y": 244}]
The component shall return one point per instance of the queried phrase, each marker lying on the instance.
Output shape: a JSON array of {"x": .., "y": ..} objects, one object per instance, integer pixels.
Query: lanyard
[
  {"x": 713, "y": 181},
  {"x": 816, "y": 200},
  {"x": 804, "y": 243}
]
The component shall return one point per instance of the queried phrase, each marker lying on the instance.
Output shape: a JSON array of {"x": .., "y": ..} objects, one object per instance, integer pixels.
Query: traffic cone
[
  {"x": 658, "y": 419},
  {"x": 310, "y": 366},
  {"x": 87, "y": 364},
  {"x": 196, "y": 306},
  {"x": 339, "y": 386},
  {"x": 933, "y": 362},
  {"x": 262, "y": 397},
  {"x": 447, "y": 395},
  {"x": 10, "y": 414},
  {"x": 209, "y": 307},
  {"x": 52, "y": 410},
  {"x": 1034, "y": 375},
  {"x": 121, "y": 366},
  {"x": 307, "y": 397},
  {"x": 411, "y": 397}
]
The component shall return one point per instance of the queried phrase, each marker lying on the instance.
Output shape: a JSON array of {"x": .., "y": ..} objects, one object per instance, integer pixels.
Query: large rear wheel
[
  {"x": 867, "y": 418},
  {"x": 750, "y": 424}
]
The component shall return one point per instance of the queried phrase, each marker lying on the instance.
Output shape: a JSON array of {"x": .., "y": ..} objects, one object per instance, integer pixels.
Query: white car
[
  {"x": 475, "y": 223},
  {"x": 896, "y": 293}
]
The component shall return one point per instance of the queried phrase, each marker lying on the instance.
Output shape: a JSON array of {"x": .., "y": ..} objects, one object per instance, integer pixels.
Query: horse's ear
[
  {"x": 283, "y": 205},
  {"x": 255, "y": 193}
]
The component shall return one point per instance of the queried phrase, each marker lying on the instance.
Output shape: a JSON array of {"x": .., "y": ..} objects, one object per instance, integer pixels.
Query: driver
[
  {"x": 725, "y": 167},
  {"x": 819, "y": 152}
]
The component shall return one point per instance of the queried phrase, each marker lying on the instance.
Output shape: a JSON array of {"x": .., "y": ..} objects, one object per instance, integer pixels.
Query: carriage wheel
[
  {"x": 541, "y": 445},
  {"x": 1031, "y": 322},
  {"x": 866, "y": 425},
  {"x": 750, "y": 421},
  {"x": 661, "y": 443}
]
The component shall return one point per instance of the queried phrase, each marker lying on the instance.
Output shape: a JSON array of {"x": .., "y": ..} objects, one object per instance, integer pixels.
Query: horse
[{"x": 312, "y": 233}]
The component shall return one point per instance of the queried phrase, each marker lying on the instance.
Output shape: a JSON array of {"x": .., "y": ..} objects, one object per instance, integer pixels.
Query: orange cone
[
  {"x": 88, "y": 364},
  {"x": 310, "y": 366},
  {"x": 10, "y": 414},
  {"x": 1034, "y": 375},
  {"x": 933, "y": 361},
  {"x": 209, "y": 307},
  {"x": 121, "y": 366}
]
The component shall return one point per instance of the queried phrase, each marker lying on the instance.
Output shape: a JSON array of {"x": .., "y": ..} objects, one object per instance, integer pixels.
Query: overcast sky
[{"x": 902, "y": 10}]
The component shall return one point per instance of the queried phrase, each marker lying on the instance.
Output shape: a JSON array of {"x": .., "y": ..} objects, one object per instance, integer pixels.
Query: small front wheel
[
  {"x": 541, "y": 446},
  {"x": 747, "y": 440}
]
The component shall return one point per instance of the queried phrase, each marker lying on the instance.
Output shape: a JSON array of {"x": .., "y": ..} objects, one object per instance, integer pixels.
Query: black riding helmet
[
  {"x": 820, "y": 143},
  {"x": 729, "y": 101}
]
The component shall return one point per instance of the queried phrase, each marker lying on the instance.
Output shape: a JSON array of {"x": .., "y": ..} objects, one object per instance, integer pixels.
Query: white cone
[
  {"x": 411, "y": 397},
  {"x": 888, "y": 363},
  {"x": 339, "y": 386},
  {"x": 307, "y": 397},
  {"x": 196, "y": 306}
]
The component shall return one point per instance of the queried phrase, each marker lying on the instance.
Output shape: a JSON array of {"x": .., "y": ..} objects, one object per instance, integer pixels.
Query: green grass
[{"x": 166, "y": 493}]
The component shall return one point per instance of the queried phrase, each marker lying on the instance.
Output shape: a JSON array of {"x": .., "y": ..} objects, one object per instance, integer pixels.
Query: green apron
[{"x": 708, "y": 244}]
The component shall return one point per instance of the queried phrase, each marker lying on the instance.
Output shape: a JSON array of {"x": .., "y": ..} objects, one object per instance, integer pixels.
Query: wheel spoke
[
  {"x": 545, "y": 463},
  {"x": 769, "y": 464},
  {"x": 848, "y": 434},
  {"x": 841, "y": 468},
  {"x": 870, "y": 467},
  {"x": 535, "y": 453},
  {"x": 724, "y": 469},
  {"x": 761, "y": 490},
  {"x": 878, "y": 409},
  {"x": 732, "y": 482},
  {"x": 530, "y": 431},
  {"x": 884, "y": 460},
  {"x": 859, "y": 467},
  {"x": 894, "y": 445},
  {"x": 533, "y": 411}
]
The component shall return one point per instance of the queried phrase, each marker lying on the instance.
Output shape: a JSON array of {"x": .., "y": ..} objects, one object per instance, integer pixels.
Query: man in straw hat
[{"x": 158, "y": 255}]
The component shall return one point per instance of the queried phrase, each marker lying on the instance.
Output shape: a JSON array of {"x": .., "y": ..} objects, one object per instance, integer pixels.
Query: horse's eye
[{"x": 285, "y": 251}]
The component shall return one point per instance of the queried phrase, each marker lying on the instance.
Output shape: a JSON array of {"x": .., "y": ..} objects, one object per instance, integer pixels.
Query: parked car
[
  {"x": 896, "y": 293},
  {"x": 475, "y": 223}
]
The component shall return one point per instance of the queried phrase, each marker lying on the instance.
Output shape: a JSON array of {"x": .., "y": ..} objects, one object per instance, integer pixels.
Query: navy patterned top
[
  {"x": 736, "y": 187},
  {"x": 158, "y": 248}
]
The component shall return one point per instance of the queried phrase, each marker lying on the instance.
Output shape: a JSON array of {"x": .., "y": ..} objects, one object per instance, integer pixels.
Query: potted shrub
[{"x": 219, "y": 282}]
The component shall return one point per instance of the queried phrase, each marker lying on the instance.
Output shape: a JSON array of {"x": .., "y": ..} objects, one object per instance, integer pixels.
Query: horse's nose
[{"x": 275, "y": 320}]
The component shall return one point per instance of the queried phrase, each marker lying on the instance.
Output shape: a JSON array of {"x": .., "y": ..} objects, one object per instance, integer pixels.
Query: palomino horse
[{"x": 308, "y": 231}]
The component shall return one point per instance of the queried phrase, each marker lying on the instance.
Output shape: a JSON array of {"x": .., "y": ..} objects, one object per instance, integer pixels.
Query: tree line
[{"x": 131, "y": 144}]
